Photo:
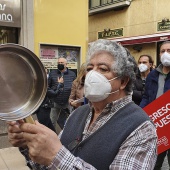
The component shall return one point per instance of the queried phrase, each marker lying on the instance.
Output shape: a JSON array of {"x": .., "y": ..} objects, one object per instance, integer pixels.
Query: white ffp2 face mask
[
  {"x": 97, "y": 87},
  {"x": 142, "y": 67},
  {"x": 165, "y": 59}
]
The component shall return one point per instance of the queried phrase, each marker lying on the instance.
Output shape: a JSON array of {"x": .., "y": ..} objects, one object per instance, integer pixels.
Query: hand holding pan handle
[
  {"x": 23, "y": 83},
  {"x": 29, "y": 119}
]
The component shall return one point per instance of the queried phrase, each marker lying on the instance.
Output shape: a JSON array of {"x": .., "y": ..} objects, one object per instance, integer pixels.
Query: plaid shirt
[{"x": 137, "y": 152}]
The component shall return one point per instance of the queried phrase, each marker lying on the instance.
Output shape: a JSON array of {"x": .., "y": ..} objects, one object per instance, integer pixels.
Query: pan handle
[{"x": 29, "y": 119}]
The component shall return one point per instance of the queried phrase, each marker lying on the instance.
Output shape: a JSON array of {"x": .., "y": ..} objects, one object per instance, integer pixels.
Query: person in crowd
[
  {"x": 145, "y": 63},
  {"x": 43, "y": 112},
  {"x": 154, "y": 66},
  {"x": 110, "y": 132},
  {"x": 157, "y": 83},
  {"x": 47, "y": 71},
  {"x": 61, "y": 108},
  {"x": 77, "y": 90}
]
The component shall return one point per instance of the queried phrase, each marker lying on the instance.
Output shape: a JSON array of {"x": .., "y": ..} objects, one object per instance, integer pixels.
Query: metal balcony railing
[{"x": 97, "y": 6}]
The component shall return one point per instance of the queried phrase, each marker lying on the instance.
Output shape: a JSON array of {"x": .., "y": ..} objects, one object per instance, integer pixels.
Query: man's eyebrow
[
  {"x": 102, "y": 63},
  {"x": 165, "y": 49},
  {"x": 89, "y": 64}
]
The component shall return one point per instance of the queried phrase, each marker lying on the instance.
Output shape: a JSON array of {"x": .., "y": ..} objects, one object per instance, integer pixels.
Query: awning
[{"x": 144, "y": 39}]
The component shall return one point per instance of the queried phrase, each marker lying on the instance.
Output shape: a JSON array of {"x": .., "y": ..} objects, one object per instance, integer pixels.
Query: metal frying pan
[{"x": 23, "y": 82}]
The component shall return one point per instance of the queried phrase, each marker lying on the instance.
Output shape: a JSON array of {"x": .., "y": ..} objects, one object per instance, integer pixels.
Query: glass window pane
[
  {"x": 8, "y": 35},
  {"x": 95, "y": 3},
  {"x": 106, "y": 1}
]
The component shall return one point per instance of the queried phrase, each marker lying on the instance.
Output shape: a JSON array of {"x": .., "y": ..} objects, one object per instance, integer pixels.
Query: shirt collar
[{"x": 117, "y": 104}]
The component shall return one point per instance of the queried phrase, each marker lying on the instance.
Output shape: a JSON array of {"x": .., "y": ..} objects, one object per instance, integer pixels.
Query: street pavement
[{"x": 11, "y": 159}]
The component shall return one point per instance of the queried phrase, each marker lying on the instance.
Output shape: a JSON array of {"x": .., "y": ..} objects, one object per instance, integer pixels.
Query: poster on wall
[
  {"x": 71, "y": 55},
  {"x": 159, "y": 112},
  {"x": 49, "y": 55}
]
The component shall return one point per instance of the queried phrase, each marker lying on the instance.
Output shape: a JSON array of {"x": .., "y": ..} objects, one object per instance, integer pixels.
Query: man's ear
[{"x": 124, "y": 82}]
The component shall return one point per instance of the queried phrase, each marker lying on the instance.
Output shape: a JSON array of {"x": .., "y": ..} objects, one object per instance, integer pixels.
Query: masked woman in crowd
[{"x": 77, "y": 90}]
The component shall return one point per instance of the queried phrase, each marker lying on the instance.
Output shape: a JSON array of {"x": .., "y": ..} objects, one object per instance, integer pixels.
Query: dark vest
[{"x": 100, "y": 148}]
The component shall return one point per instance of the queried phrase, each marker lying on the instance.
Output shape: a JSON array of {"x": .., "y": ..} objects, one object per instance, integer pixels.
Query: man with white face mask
[
  {"x": 157, "y": 83},
  {"x": 108, "y": 133},
  {"x": 145, "y": 63}
]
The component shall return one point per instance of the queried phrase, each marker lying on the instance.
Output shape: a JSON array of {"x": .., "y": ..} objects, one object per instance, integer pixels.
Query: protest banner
[{"x": 159, "y": 112}]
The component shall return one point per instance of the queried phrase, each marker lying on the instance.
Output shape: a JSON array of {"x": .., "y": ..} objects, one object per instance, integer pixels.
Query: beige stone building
[{"x": 139, "y": 25}]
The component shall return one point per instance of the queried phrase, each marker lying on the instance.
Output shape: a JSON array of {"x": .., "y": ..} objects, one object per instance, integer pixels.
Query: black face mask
[{"x": 60, "y": 67}]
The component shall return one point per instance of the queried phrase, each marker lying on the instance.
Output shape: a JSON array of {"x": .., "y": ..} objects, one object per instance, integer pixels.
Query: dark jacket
[
  {"x": 68, "y": 77},
  {"x": 43, "y": 112},
  {"x": 138, "y": 89},
  {"x": 51, "y": 94},
  {"x": 100, "y": 148},
  {"x": 151, "y": 87}
]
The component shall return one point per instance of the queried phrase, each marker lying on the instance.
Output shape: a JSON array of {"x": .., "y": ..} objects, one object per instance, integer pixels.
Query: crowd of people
[
  {"x": 157, "y": 83},
  {"x": 99, "y": 112}
]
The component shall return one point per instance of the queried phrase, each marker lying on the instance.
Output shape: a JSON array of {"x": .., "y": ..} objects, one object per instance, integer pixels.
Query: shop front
[
  {"x": 10, "y": 21},
  {"x": 17, "y": 22},
  {"x": 148, "y": 43}
]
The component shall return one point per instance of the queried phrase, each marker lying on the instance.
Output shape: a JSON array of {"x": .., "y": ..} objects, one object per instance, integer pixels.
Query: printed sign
[
  {"x": 108, "y": 33},
  {"x": 10, "y": 13},
  {"x": 163, "y": 27},
  {"x": 49, "y": 55},
  {"x": 159, "y": 112}
]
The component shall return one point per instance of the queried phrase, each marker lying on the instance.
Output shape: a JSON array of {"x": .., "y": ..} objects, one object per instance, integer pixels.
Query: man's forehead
[
  {"x": 102, "y": 57},
  {"x": 144, "y": 58},
  {"x": 165, "y": 46},
  {"x": 99, "y": 63},
  {"x": 63, "y": 60}
]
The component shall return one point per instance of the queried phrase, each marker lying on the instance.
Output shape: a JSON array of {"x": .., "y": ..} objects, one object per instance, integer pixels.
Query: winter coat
[
  {"x": 151, "y": 87},
  {"x": 138, "y": 89}
]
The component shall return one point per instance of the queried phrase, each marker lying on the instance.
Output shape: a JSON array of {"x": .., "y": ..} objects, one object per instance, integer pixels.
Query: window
[
  {"x": 106, "y": 1},
  {"x": 49, "y": 53},
  {"x": 8, "y": 35},
  {"x": 96, "y": 6},
  {"x": 95, "y": 3}
]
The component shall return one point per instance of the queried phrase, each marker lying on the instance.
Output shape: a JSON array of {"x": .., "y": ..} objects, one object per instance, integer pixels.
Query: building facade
[
  {"x": 61, "y": 29},
  {"x": 50, "y": 29},
  {"x": 139, "y": 25}
]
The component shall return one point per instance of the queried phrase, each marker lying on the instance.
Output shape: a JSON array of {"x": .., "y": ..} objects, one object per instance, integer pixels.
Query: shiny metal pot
[{"x": 23, "y": 82}]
